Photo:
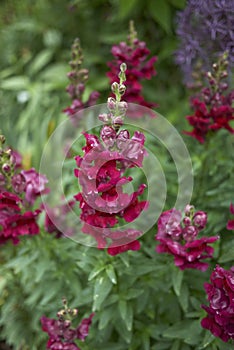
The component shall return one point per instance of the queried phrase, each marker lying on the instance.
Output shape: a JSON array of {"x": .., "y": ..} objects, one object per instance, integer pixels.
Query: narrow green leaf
[
  {"x": 123, "y": 309},
  {"x": 111, "y": 274},
  {"x": 177, "y": 278},
  {"x": 105, "y": 317},
  {"x": 129, "y": 317},
  {"x": 101, "y": 289},
  {"x": 40, "y": 61},
  {"x": 15, "y": 83},
  {"x": 125, "y": 7},
  {"x": 184, "y": 297},
  {"x": 161, "y": 13},
  {"x": 95, "y": 272}
]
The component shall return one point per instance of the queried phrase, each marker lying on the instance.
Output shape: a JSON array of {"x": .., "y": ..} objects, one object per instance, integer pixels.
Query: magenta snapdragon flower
[
  {"x": 101, "y": 174},
  {"x": 220, "y": 292},
  {"x": 62, "y": 334},
  {"x": 139, "y": 66},
  {"x": 178, "y": 237}
]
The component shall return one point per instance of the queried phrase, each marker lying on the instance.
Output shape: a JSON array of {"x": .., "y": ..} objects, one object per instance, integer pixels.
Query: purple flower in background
[
  {"x": 34, "y": 185},
  {"x": 205, "y": 30},
  {"x": 220, "y": 292}
]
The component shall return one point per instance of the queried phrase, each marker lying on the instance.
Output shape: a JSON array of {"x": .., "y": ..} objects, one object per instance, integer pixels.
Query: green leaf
[
  {"x": 102, "y": 288},
  {"x": 184, "y": 297},
  {"x": 179, "y": 330},
  {"x": 180, "y": 4},
  {"x": 111, "y": 274},
  {"x": 129, "y": 317},
  {"x": 40, "y": 61},
  {"x": 123, "y": 308},
  {"x": 177, "y": 278},
  {"x": 228, "y": 252},
  {"x": 125, "y": 7},
  {"x": 161, "y": 13},
  {"x": 15, "y": 83},
  {"x": 105, "y": 316},
  {"x": 95, "y": 272}
]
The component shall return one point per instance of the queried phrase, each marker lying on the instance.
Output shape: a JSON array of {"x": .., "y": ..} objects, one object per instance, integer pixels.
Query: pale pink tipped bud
[
  {"x": 188, "y": 209},
  {"x": 200, "y": 219},
  {"x": 122, "y": 107},
  {"x": 108, "y": 136},
  {"x": 115, "y": 87},
  {"x": 187, "y": 221},
  {"x": 104, "y": 117},
  {"x": 118, "y": 120},
  {"x": 189, "y": 233},
  {"x": 122, "y": 89},
  {"x": 111, "y": 104},
  {"x": 123, "y": 67},
  {"x": 6, "y": 168}
]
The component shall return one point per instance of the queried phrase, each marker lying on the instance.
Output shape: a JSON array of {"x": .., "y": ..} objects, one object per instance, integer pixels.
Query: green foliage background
[{"x": 140, "y": 299}]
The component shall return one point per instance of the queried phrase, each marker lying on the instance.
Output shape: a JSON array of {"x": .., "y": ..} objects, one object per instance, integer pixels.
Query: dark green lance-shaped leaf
[
  {"x": 184, "y": 297},
  {"x": 129, "y": 317},
  {"x": 125, "y": 7},
  {"x": 227, "y": 252},
  {"x": 179, "y": 330},
  {"x": 95, "y": 272},
  {"x": 161, "y": 13},
  {"x": 177, "y": 278},
  {"x": 105, "y": 317},
  {"x": 111, "y": 274},
  {"x": 208, "y": 339},
  {"x": 40, "y": 61},
  {"x": 123, "y": 309},
  {"x": 102, "y": 288},
  {"x": 15, "y": 83}
]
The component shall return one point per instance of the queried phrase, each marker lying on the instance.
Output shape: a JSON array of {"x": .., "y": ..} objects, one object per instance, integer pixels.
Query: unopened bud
[
  {"x": 123, "y": 67},
  {"x": 111, "y": 104},
  {"x": 122, "y": 89},
  {"x": 104, "y": 117},
  {"x": 115, "y": 87},
  {"x": 6, "y": 168},
  {"x": 2, "y": 139}
]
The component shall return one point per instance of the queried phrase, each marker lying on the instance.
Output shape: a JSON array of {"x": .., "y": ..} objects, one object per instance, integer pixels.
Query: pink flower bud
[
  {"x": 187, "y": 221},
  {"x": 122, "y": 137},
  {"x": 188, "y": 209},
  {"x": 111, "y": 104},
  {"x": 6, "y": 168},
  {"x": 200, "y": 219},
  {"x": 103, "y": 117}
]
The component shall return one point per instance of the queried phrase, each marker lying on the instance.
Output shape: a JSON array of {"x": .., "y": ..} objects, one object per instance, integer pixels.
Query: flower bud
[
  {"x": 122, "y": 107},
  {"x": 123, "y": 67},
  {"x": 118, "y": 120},
  {"x": 188, "y": 209},
  {"x": 115, "y": 87},
  {"x": 186, "y": 221},
  {"x": 111, "y": 104},
  {"x": 18, "y": 183},
  {"x": 200, "y": 219},
  {"x": 104, "y": 117},
  {"x": 2, "y": 139},
  {"x": 122, "y": 89},
  {"x": 6, "y": 168}
]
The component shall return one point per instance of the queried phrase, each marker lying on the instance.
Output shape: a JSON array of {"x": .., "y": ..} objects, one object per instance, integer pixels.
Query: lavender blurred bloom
[{"x": 205, "y": 30}]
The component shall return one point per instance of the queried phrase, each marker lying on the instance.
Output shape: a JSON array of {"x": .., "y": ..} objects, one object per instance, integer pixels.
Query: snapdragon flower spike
[
  {"x": 135, "y": 55},
  {"x": 178, "y": 237},
  {"x": 220, "y": 312},
  {"x": 230, "y": 224},
  {"x": 13, "y": 221},
  {"x": 62, "y": 334},
  {"x": 100, "y": 172},
  {"x": 212, "y": 107},
  {"x": 78, "y": 78}
]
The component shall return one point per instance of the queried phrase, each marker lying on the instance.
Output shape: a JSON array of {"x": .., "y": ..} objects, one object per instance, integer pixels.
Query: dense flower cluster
[
  {"x": 103, "y": 202},
  {"x": 62, "y": 334},
  {"x": 18, "y": 191},
  {"x": 135, "y": 55},
  {"x": 220, "y": 292},
  {"x": 78, "y": 77},
  {"x": 204, "y": 27},
  {"x": 178, "y": 237},
  {"x": 230, "y": 224},
  {"x": 213, "y": 108}
]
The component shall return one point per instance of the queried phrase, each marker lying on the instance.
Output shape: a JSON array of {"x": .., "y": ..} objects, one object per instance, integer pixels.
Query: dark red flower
[
  {"x": 178, "y": 237},
  {"x": 220, "y": 292}
]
